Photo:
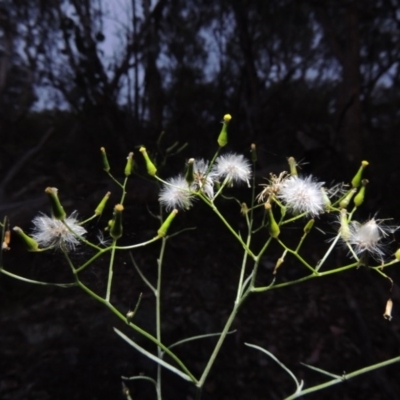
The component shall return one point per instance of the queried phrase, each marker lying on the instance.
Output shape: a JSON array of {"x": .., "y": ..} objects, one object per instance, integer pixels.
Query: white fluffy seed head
[
  {"x": 50, "y": 232},
  {"x": 232, "y": 167},
  {"x": 367, "y": 237},
  {"x": 302, "y": 195},
  {"x": 176, "y": 194}
]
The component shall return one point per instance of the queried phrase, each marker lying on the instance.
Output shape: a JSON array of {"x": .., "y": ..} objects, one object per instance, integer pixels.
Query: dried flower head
[
  {"x": 271, "y": 189},
  {"x": 302, "y": 195},
  {"x": 203, "y": 178},
  {"x": 176, "y": 194},
  {"x": 232, "y": 167},
  {"x": 50, "y": 232},
  {"x": 367, "y": 237}
]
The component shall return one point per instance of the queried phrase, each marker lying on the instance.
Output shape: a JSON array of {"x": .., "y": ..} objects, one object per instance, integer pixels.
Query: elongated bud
[
  {"x": 166, "y": 224},
  {"x": 5, "y": 236},
  {"x": 126, "y": 392},
  {"x": 397, "y": 254},
  {"x": 223, "y": 136},
  {"x": 31, "y": 244},
  {"x": 6, "y": 240},
  {"x": 326, "y": 199},
  {"x": 292, "y": 166},
  {"x": 388, "y": 310},
  {"x": 273, "y": 227},
  {"x": 309, "y": 226},
  {"x": 253, "y": 151},
  {"x": 356, "y": 181},
  {"x": 344, "y": 225},
  {"x": 56, "y": 207},
  {"x": 129, "y": 164},
  {"x": 346, "y": 201},
  {"x": 106, "y": 165},
  {"x": 280, "y": 261},
  {"x": 189, "y": 176},
  {"x": 359, "y": 199},
  {"x": 100, "y": 208},
  {"x": 151, "y": 168},
  {"x": 116, "y": 226}
]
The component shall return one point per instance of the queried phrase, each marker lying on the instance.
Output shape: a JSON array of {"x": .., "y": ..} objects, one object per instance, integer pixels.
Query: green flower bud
[
  {"x": 56, "y": 207},
  {"x": 116, "y": 226},
  {"x": 106, "y": 165},
  {"x": 100, "y": 208},
  {"x": 359, "y": 199},
  {"x": 356, "y": 181},
  {"x": 309, "y": 226},
  {"x": 397, "y": 254},
  {"x": 253, "y": 151},
  {"x": 189, "y": 176},
  {"x": 346, "y": 201},
  {"x": 292, "y": 166},
  {"x": 129, "y": 164},
  {"x": 31, "y": 244},
  {"x": 344, "y": 225},
  {"x": 326, "y": 199},
  {"x": 151, "y": 168},
  {"x": 223, "y": 136},
  {"x": 273, "y": 227},
  {"x": 166, "y": 224}
]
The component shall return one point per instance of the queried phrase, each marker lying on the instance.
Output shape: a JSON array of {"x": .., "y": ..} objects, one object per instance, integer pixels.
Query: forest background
[{"x": 317, "y": 80}]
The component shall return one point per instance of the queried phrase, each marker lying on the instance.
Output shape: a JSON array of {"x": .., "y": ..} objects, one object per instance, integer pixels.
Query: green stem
[
  {"x": 257, "y": 261},
  {"x": 226, "y": 223},
  {"x": 304, "y": 279},
  {"x": 81, "y": 238},
  {"x": 88, "y": 219},
  {"x": 21, "y": 278},
  {"x": 135, "y": 246},
  {"x": 343, "y": 378},
  {"x": 136, "y": 328},
  {"x": 91, "y": 260},
  {"x": 326, "y": 255},
  {"x": 112, "y": 178},
  {"x": 242, "y": 270},
  {"x": 110, "y": 271},
  {"x": 222, "y": 187},
  {"x": 123, "y": 190},
  {"x": 158, "y": 312},
  {"x": 221, "y": 340},
  {"x": 301, "y": 242},
  {"x": 301, "y": 259},
  {"x": 212, "y": 161}
]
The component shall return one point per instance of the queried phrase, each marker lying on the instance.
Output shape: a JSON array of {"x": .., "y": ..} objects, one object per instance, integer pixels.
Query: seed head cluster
[
  {"x": 367, "y": 237},
  {"x": 50, "y": 232},
  {"x": 229, "y": 168},
  {"x": 302, "y": 195}
]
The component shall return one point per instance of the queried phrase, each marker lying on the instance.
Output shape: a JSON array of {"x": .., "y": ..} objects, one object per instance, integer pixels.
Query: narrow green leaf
[
  {"x": 152, "y": 356},
  {"x": 299, "y": 385}
]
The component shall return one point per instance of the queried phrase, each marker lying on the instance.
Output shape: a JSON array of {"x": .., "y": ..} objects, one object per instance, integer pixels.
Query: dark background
[{"x": 317, "y": 80}]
